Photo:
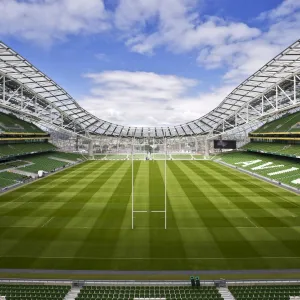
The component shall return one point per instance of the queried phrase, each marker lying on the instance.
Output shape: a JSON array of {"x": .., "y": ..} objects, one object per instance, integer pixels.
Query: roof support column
[
  {"x": 206, "y": 147},
  {"x": 91, "y": 148},
  {"x": 295, "y": 92},
  {"x": 4, "y": 89},
  {"x": 276, "y": 97}
]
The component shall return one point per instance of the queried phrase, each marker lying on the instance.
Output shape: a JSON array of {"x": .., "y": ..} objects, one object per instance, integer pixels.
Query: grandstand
[
  {"x": 288, "y": 123},
  {"x": 149, "y": 202},
  {"x": 279, "y": 137},
  {"x": 265, "y": 292},
  {"x": 279, "y": 169},
  {"x": 11, "y": 125},
  {"x": 25, "y": 150},
  {"x": 29, "y": 292},
  {"x": 148, "y": 292}
]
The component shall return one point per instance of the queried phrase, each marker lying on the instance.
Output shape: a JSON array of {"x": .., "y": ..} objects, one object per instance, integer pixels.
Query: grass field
[{"x": 217, "y": 218}]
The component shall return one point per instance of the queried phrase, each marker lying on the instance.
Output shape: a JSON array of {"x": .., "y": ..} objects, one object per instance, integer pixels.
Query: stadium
[{"x": 95, "y": 210}]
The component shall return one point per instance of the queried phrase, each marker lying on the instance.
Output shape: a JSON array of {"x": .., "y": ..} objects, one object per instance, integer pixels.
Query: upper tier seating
[
  {"x": 33, "y": 292},
  {"x": 17, "y": 149},
  {"x": 288, "y": 123},
  {"x": 274, "y": 148},
  {"x": 10, "y": 123},
  {"x": 261, "y": 292},
  {"x": 131, "y": 292}
]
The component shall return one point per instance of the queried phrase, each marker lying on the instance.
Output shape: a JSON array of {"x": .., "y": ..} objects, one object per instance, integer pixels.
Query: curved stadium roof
[{"x": 19, "y": 69}]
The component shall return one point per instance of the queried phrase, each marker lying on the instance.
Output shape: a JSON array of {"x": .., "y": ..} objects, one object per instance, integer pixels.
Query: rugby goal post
[{"x": 133, "y": 211}]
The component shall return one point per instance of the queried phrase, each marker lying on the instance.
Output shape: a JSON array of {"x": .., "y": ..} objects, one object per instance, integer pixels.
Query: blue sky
[{"x": 149, "y": 62}]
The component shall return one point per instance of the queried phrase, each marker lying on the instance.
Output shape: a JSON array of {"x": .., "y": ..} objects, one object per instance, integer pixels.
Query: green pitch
[{"x": 217, "y": 218}]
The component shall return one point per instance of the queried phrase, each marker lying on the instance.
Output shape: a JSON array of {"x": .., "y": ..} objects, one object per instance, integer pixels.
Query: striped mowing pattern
[{"x": 218, "y": 218}]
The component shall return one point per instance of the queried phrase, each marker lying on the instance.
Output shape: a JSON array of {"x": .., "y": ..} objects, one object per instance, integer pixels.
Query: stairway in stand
[
  {"x": 225, "y": 293},
  {"x": 73, "y": 293}
]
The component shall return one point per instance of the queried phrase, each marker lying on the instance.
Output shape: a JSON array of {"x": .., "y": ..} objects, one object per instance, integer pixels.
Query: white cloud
[
  {"x": 143, "y": 98},
  {"x": 286, "y": 8},
  {"x": 179, "y": 27},
  {"x": 102, "y": 57},
  {"x": 147, "y": 99},
  {"x": 45, "y": 21}
]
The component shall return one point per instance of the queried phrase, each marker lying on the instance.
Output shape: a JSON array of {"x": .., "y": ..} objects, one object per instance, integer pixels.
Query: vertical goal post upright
[
  {"x": 132, "y": 186},
  {"x": 165, "y": 140}
]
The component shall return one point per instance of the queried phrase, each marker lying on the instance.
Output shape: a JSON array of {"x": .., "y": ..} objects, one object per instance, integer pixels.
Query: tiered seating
[
  {"x": 197, "y": 156},
  {"x": 12, "y": 176},
  {"x": 6, "y": 182},
  {"x": 42, "y": 162},
  {"x": 33, "y": 292},
  {"x": 10, "y": 123},
  {"x": 9, "y": 179},
  {"x": 288, "y": 123},
  {"x": 160, "y": 156},
  {"x": 116, "y": 156},
  {"x": 283, "y": 164},
  {"x": 99, "y": 156},
  {"x": 131, "y": 292},
  {"x": 274, "y": 148},
  {"x": 270, "y": 292},
  {"x": 138, "y": 156},
  {"x": 17, "y": 149},
  {"x": 181, "y": 156},
  {"x": 68, "y": 156}
]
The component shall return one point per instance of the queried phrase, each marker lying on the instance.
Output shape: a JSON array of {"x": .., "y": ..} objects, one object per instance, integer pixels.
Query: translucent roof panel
[{"x": 19, "y": 69}]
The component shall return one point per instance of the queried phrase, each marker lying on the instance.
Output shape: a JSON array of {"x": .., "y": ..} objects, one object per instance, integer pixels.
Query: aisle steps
[
  {"x": 225, "y": 293},
  {"x": 73, "y": 293}
]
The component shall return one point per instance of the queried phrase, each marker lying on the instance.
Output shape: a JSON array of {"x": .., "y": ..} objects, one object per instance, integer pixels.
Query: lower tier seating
[
  {"x": 160, "y": 156},
  {"x": 131, "y": 292},
  {"x": 33, "y": 292},
  {"x": 197, "y": 156},
  {"x": 181, "y": 156},
  {"x": 9, "y": 179},
  {"x": 48, "y": 162},
  {"x": 281, "y": 169},
  {"x": 139, "y": 156},
  {"x": 68, "y": 156},
  {"x": 43, "y": 162},
  {"x": 116, "y": 156},
  {"x": 269, "y": 292}
]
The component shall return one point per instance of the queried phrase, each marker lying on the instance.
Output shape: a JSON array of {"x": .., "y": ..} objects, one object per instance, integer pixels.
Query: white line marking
[
  {"x": 251, "y": 222},
  {"x": 158, "y": 211},
  {"x": 146, "y": 227},
  {"x": 140, "y": 211},
  {"x": 161, "y": 258},
  {"x": 47, "y": 222}
]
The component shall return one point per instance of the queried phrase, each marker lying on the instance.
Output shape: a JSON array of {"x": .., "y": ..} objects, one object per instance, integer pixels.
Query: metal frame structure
[{"x": 31, "y": 94}]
